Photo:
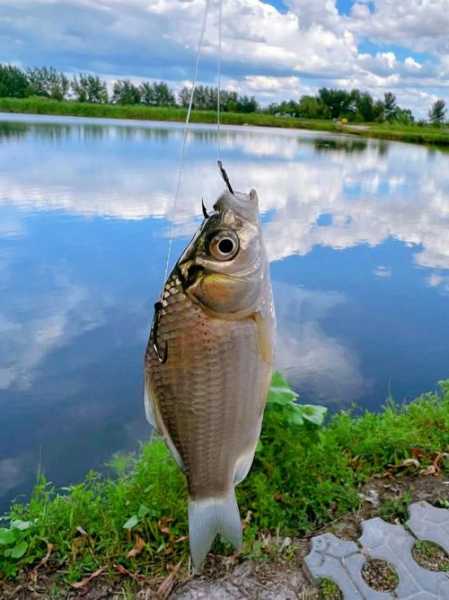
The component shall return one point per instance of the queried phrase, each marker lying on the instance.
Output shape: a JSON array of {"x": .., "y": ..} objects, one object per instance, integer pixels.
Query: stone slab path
[{"x": 342, "y": 560}]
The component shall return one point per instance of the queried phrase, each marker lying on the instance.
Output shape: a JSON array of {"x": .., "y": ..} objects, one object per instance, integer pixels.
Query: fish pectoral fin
[
  {"x": 149, "y": 408},
  {"x": 264, "y": 338},
  {"x": 154, "y": 417}
]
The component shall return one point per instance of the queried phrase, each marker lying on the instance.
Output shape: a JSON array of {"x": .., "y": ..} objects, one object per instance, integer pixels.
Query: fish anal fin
[{"x": 245, "y": 461}]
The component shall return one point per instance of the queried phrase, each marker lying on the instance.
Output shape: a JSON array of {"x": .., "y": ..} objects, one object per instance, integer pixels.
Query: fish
[{"x": 208, "y": 364}]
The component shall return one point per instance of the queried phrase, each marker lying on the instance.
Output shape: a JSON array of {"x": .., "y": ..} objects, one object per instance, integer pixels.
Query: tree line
[
  {"x": 355, "y": 106},
  {"x": 49, "y": 83},
  {"x": 337, "y": 104}
]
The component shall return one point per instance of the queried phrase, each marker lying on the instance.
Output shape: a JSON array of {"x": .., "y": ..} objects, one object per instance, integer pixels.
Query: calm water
[{"x": 357, "y": 232}]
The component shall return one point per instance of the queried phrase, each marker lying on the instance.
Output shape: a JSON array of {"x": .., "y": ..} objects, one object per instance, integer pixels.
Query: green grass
[
  {"x": 438, "y": 136},
  {"x": 416, "y": 134},
  {"x": 303, "y": 477}
]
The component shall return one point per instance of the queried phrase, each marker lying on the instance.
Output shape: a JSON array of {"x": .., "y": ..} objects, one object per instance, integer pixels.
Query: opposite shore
[{"x": 413, "y": 133}]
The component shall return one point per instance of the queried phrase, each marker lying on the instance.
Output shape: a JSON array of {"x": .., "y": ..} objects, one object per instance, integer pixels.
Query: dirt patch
[
  {"x": 430, "y": 556},
  {"x": 380, "y": 575}
]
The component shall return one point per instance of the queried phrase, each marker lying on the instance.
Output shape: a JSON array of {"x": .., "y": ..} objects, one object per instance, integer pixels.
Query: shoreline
[
  {"x": 424, "y": 135},
  {"x": 307, "y": 478}
]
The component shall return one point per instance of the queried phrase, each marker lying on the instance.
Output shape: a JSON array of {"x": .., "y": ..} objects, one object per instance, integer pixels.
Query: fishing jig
[
  {"x": 225, "y": 176},
  {"x": 161, "y": 355}
]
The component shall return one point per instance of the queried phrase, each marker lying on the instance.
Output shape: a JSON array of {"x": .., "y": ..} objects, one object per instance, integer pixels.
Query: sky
[{"x": 275, "y": 50}]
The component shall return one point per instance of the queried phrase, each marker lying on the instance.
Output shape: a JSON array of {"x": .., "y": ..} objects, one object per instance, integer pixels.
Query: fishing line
[
  {"x": 220, "y": 33},
  {"x": 185, "y": 136}
]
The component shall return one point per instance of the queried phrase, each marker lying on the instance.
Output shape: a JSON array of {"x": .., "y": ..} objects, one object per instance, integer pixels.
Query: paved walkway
[{"x": 342, "y": 560}]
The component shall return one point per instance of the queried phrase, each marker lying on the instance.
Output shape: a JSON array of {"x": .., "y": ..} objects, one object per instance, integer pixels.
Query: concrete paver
[{"x": 342, "y": 560}]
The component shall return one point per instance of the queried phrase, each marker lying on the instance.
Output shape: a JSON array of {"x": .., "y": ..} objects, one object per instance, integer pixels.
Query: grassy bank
[
  {"x": 406, "y": 133},
  {"x": 304, "y": 476},
  {"x": 415, "y": 134},
  {"x": 42, "y": 106}
]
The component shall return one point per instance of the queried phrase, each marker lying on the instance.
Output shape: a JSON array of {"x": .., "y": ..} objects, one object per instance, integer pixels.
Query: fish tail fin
[{"x": 209, "y": 517}]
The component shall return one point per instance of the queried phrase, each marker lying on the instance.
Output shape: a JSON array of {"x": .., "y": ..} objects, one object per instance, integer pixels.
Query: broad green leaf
[
  {"x": 295, "y": 418},
  {"x": 314, "y": 414},
  {"x": 19, "y": 550},
  {"x": 143, "y": 511},
  {"x": 131, "y": 522},
  {"x": 278, "y": 380},
  {"x": 280, "y": 392},
  {"x": 7, "y": 537},
  {"x": 22, "y": 525}
]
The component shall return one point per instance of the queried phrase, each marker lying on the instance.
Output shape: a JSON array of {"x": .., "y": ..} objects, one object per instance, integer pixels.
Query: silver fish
[{"x": 208, "y": 364}]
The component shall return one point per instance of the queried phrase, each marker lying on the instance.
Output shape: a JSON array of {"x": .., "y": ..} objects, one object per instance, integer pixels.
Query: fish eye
[{"x": 224, "y": 245}]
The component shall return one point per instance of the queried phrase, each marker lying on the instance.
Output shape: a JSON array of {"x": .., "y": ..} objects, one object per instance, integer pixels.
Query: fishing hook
[
  {"x": 161, "y": 355},
  {"x": 205, "y": 213},
  {"x": 225, "y": 176}
]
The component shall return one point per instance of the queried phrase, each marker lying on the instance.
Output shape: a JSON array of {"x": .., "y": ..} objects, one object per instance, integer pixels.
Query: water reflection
[
  {"x": 320, "y": 365},
  {"x": 357, "y": 232}
]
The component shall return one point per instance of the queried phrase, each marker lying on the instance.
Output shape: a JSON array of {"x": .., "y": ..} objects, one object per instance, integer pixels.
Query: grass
[
  {"x": 416, "y": 134},
  {"x": 438, "y": 136},
  {"x": 304, "y": 476}
]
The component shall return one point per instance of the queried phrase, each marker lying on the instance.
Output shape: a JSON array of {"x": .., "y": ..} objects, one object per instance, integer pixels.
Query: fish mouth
[{"x": 189, "y": 273}]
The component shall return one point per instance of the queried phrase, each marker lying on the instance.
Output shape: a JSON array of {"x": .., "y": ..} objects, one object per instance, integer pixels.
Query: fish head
[{"x": 224, "y": 266}]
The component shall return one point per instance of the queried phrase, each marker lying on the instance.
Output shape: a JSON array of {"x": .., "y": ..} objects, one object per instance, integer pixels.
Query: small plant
[
  {"x": 329, "y": 590},
  {"x": 15, "y": 541},
  {"x": 396, "y": 509},
  {"x": 283, "y": 400}
]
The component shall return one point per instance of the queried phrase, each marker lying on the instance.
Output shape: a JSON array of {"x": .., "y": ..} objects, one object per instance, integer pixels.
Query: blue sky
[{"x": 274, "y": 50}]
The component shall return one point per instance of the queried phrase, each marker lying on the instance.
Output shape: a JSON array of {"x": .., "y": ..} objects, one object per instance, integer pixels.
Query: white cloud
[
  {"x": 411, "y": 64},
  {"x": 416, "y": 24}
]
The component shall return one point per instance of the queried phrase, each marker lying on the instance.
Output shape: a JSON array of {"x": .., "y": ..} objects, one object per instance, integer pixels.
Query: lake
[{"x": 357, "y": 232}]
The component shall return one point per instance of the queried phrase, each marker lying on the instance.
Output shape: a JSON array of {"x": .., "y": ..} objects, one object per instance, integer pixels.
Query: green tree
[
  {"x": 13, "y": 82},
  {"x": 404, "y": 116},
  {"x": 125, "y": 92},
  {"x": 247, "y": 104},
  {"x": 338, "y": 103},
  {"x": 48, "y": 82},
  {"x": 390, "y": 106},
  {"x": 184, "y": 96},
  {"x": 90, "y": 88},
  {"x": 229, "y": 101},
  {"x": 163, "y": 94},
  {"x": 205, "y": 98},
  {"x": 310, "y": 107},
  {"x": 438, "y": 111}
]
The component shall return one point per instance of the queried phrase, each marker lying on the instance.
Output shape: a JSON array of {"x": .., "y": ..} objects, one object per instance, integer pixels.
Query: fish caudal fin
[{"x": 209, "y": 517}]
